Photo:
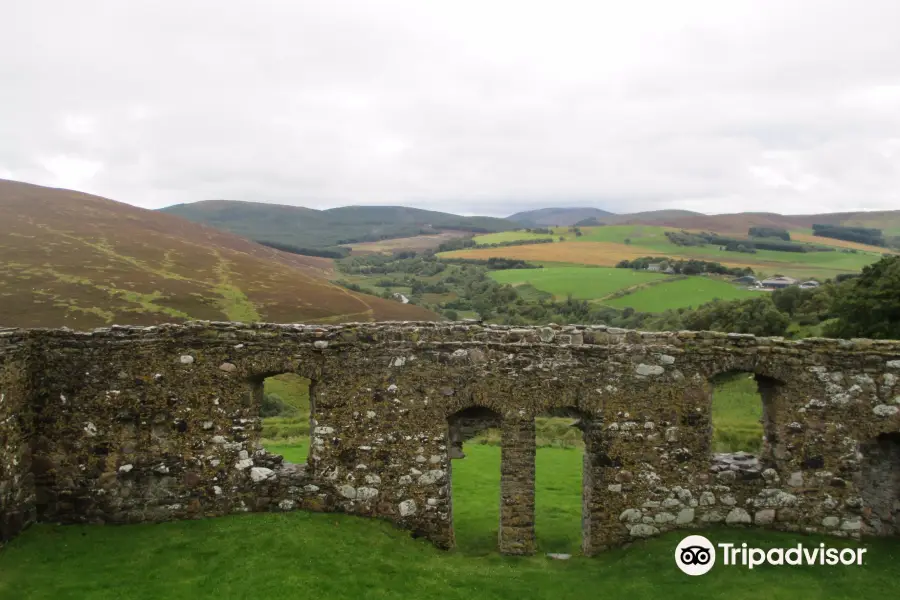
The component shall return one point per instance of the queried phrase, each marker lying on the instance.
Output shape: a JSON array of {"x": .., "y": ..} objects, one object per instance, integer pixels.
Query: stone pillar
[
  {"x": 594, "y": 526},
  {"x": 517, "y": 486},
  {"x": 774, "y": 451}
]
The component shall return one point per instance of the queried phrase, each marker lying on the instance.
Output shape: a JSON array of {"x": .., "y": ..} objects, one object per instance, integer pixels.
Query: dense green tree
[
  {"x": 787, "y": 299},
  {"x": 869, "y": 305},
  {"x": 758, "y": 316}
]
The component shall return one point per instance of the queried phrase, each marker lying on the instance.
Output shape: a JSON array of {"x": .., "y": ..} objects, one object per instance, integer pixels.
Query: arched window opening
[
  {"x": 474, "y": 446},
  {"x": 286, "y": 407},
  {"x": 881, "y": 484},
  {"x": 559, "y": 478}
]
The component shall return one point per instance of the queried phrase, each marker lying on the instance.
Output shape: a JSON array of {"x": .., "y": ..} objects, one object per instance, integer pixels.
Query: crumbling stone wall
[
  {"x": 138, "y": 424},
  {"x": 16, "y": 481},
  {"x": 881, "y": 483}
]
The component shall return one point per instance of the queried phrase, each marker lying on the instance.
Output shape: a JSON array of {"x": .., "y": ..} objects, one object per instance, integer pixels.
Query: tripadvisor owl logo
[{"x": 695, "y": 555}]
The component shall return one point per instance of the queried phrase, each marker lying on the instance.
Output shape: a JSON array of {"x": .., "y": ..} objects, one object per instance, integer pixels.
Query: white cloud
[
  {"x": 469, "y": 106},
  {"x": 69, "y": 171}
]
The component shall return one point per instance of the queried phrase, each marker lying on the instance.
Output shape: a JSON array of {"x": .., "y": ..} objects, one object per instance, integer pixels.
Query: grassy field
[
  {"x": 597, "y": 283},
  {"x": 680, "y": 293},
  {"x": 303, "y": 555},
  {"x": 639, "y": 235},
  {"x": 511, "y": 236},
  {"x": 582, "y": 283}
]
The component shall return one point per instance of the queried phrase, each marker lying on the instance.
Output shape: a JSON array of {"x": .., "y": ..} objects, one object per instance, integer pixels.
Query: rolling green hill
[
  {"x": 81, "y": 261},
  {"x": 310, "y": 228}
]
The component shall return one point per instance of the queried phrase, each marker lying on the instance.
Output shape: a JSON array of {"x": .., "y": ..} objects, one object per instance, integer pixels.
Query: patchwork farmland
[
  {"x": 606, "y": 246},
  {"x": 578, "y": 265}
]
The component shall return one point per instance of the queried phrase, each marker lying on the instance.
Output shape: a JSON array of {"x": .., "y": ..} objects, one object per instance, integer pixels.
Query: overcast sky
[{"x": 475, "y": 107}]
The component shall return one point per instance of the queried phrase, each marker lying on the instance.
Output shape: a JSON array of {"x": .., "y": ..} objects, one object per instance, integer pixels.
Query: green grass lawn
[
  {"x": 511, "y": 236},
  {"x": 646, "y": 236},
  {"x": 314, "y": 555},
  {"x": 583, "y": 283},
  {"x": 693, "y": 291}
]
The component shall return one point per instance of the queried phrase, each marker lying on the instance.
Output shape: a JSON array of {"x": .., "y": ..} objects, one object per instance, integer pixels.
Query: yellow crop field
[{"x": 604, "y": 254}]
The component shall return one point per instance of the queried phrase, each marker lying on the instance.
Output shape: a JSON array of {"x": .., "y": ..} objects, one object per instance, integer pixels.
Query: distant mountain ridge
[
  {"x": 562, "y": 217},
  {"x": 311, "y": 228},
  {"x": 888, "y": 221}
]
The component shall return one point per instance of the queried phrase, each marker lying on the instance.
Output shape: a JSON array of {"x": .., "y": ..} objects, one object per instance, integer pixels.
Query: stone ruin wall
[
  {"x": 16, "y": 480},
  {"x": 133, "y": 424}
]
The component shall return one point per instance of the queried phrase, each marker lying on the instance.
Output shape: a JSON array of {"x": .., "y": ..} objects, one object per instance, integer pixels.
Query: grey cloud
[{"x": 477, "y": 107}]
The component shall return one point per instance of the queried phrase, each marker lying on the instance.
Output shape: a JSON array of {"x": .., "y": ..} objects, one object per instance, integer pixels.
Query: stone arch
[
  {"x": 880, "y": 485},
  {"x": 466, "y": 424}
]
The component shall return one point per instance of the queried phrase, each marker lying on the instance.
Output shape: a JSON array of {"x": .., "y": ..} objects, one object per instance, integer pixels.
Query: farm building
[
  {"x": 746, "y": 280},
  {"x": 779, "y": 282},
  {"x": 658, "y": 268}
]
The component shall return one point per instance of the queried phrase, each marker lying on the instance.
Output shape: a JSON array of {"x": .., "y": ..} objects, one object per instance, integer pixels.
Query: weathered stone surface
[
  {"x": 685, "y": 516},
  {"x": 643, "y": 530},
  {"x": 632, "y": 515},
  {"x": 886, "y": 410},
  {"x": 395, "y": 401},
  {"x": 796, "y": 479},
  {"x": 647, "y": 370},
  {"x": 764, "y": 517},
  {"x": 258, "y": 474},
  {"x": 737, "y": 516}
]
